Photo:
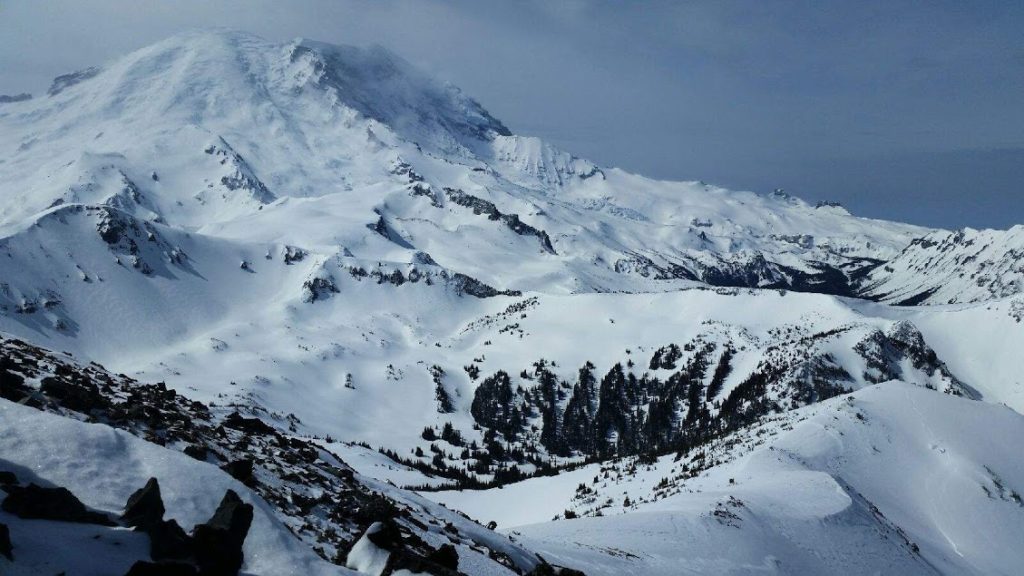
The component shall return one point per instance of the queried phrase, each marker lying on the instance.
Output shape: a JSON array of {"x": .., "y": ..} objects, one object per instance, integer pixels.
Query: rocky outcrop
[
  {"x": 6, "y": 548},
  {"x": 218, "y": 541},
  {"x": 34, "y": 502},
  {"x": 511, "y": 221},
  {"x": 145, "y": 507},
  {"x": 318, "y": 497}
]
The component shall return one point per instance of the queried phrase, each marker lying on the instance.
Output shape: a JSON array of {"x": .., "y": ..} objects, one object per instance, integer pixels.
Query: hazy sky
[{"x": 905, "y": 110}]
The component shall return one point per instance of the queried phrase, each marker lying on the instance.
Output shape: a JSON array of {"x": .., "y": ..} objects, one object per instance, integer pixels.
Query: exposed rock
[
  {"x": 83, "y": 398},
  {"x": 385, "y": 535},
  {"x": 35, "y": 502},
  {"x": 7, "y": 478},
  {"x": 468, "y": 285},
  {"x": 12, "y": 386},
  {"x": 5, "y": 542},
  {"x": 300, "y": 483},
  {"x": 318, "y": 288},
  {"x": 9, "y": 98},
  {"x": 251, "y": 425},
  {"x": 542, "y": 569},
  {"x": 545, "y": 569},
  {"x": 446, "y": 556},
  {"x": 197, "y": 451},
  {"x": 143, "y": 568},
  {"x": 512, "y": 221},
  {"x": 293, "y": 254},
  {"x": 65, "y": 81},
  {"x": 218, "y": 542},
  {"x": 168, "y": 541},
  {"x": 241, "y": 470},
  {"x": 145, "y": 508}
]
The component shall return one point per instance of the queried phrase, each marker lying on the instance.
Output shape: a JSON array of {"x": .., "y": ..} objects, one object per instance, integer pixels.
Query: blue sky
[{"x": 904, "y": 110}]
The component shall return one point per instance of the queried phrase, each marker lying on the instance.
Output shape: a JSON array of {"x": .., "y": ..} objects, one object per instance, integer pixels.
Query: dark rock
[
  {"x": 512, "y": 221},
  {"x": 385, "y": 535},
  {"x": 167, "y": 541},
  {"x": 446, "y": 557},
  {"x": 36, "y": 502},
  {"x": 12, "y": 386},
  {"x": 375, "y": 507},
  {"x": 5, "y": 542},
  {"x": 463, "y": 284},
  {"x": 65, "y": 81},
  {"x": 8, "y": 98},
  {"x": 232, "y": 515},
  {"x": 241, "y": 470},
  {"x": 143, "y": 568},
  {"x": 319, "y": 288},
  {"x": 542, "y": 569},
  {"x": 251, "y": 425},
  {"x": 218, "y": 542},
  {"x": 7, "y": 478},
  {"x": 197, "y": 451},
  {"x": 81, "y": 398},
  {"x": 545, "y": 569},
  {"x": 405, "y": 562},
  {"x": 145, "y": 508}
]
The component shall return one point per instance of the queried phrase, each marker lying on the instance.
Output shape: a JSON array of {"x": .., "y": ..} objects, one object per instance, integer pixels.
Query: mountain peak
[{"x": 383, "y": 86}]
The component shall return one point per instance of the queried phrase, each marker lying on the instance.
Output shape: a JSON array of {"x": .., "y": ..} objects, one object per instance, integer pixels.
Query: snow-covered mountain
[
  {"x": 229, "y": 136},
  {"x": 951, "y": 267},
  {"x": 374, "y": 266}
]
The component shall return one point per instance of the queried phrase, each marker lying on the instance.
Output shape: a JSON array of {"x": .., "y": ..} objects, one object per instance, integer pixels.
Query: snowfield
[
  {"x": 891, "y": 479},
  {"x": 363, "y": 258}
]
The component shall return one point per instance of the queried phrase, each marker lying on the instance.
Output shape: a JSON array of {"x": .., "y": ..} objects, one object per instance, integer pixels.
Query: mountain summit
[{"x": 232, "y": 136}]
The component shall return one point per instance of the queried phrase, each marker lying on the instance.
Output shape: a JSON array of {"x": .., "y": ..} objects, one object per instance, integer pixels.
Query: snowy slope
[
  {"x": 979, "y": 342},
  {"x": 951, "y": 267},
  {"x": 294, "y": 356},
  {"x": 890, "y": 479},
  {"x": 315, "y": 497}
]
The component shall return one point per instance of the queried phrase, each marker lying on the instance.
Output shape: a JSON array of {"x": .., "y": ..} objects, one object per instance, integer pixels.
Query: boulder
[
  {"x": 446, "y": 557},
  {"x": 386, "y": 535},
  {"x": 5, "y": 542},
  {"x": 145, "y": 508},
  {"x": 218, "y": 542},
  {"x": 250, "y": 425},
  {"x": 12, "y": 386},
  {"x": 441, "y": 562},
  {"x": 197, "y": 451},
  {"x": 143, "y": 568},
  {"x": 241, "y": 470},
  {"x": 36, "y": 502},
  {"x": 168, "y": 541}
]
